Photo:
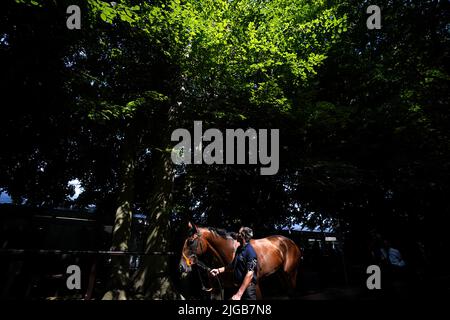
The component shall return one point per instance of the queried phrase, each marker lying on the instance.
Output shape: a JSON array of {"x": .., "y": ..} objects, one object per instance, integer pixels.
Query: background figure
[{"x": 394, "y": 268}]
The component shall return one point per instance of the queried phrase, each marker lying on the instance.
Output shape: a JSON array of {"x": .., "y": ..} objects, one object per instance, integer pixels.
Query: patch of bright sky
[
  {"x": 78, "y": 188},
  {"x": 5, "y": 198},
  {"x": 4, "y": 40}
]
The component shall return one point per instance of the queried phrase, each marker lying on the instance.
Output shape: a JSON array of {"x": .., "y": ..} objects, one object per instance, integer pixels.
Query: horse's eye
[{"x": 190, "y": 241}]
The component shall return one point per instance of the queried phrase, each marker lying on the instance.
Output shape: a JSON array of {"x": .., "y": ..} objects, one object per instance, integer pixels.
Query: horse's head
[{"x": 195, "y": 245}]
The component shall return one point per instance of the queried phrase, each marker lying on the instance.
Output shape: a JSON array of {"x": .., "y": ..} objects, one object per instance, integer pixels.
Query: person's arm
[
  {"x": 217, "y": 271},
  {"x": 244, "y": 285},
  {"x": 252, "y": 262}
]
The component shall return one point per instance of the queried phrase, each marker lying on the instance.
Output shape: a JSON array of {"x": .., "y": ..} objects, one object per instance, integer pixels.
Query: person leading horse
[{"x": 244, "y": 266}]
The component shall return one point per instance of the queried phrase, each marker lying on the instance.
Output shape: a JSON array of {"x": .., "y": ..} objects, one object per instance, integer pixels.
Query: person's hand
[
  {"x": 214, "y": 272},
  {"x": 237, "y": 296}
]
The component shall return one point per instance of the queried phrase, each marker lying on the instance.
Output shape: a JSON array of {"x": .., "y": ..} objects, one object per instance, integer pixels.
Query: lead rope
[
  {"x": 201, "y": 280},
  {"x": 208, "y": 269}
]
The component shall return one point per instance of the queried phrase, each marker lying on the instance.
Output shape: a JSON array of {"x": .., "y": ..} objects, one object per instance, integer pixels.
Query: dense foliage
[{"x": 363, "y": 114}]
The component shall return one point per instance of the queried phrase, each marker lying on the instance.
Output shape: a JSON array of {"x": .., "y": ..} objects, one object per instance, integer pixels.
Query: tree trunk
[
  {"x": 120, "y": 275},
  {"x": 152, "y": 280}
]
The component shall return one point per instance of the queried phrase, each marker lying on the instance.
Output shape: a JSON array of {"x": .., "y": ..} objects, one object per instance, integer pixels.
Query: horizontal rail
[{"x": 86, "y": 252}]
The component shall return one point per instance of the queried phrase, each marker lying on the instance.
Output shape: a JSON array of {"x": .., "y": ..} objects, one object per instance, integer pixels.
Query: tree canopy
[{"x": 363, "y": 114}]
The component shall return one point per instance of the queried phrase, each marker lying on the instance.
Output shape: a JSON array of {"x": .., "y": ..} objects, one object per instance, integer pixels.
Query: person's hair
[{"x": 246, "y": 233}]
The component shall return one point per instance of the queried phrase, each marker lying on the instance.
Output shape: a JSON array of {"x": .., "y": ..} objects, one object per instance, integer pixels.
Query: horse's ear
[{"x": 192, "y": 228}]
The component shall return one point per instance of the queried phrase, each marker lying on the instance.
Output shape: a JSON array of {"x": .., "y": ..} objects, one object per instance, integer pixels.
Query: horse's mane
[{"x": 222, "y": 233}]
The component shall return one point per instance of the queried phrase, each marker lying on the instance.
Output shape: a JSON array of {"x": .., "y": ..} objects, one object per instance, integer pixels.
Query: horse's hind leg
[
  {"x": 291, "y": 268},
  {"x": 258, "y": 291},
  {"x": 290, "y": 280},
  {"x": 294, "y": 278}
]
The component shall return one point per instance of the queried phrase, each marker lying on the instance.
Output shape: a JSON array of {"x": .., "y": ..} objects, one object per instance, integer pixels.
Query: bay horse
[{"x": 217, "y": 248}]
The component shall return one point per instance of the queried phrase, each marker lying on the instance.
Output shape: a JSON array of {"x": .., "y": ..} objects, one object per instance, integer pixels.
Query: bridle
[{"x": 197, "y": 241}]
